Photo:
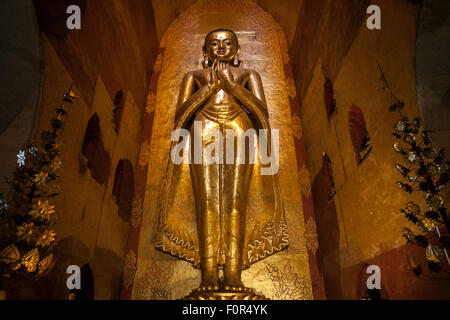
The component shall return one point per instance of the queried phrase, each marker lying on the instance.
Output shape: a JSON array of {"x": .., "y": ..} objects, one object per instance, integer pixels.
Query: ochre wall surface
[
  {"x": 115, "y": 50},
  {"x": 433, "y": 69},
  {"x": 325, "y": 29},
  {"x": 362, "y": 223},
  {"x": 285, "y": 12},
  {"x": 117, "y": 40},
  {"x": 20, "y": 82},
  {"x": 165, "y": 12}
]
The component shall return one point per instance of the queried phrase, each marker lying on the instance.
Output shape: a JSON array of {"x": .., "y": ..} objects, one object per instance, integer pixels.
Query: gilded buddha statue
[{"x": 222, "y": 103}]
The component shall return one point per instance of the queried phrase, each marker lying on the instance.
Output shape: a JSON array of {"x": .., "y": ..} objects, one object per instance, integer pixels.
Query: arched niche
[
  {"x": 358, "y": 133},
  {"x": 94, "y": 156},
  {"x": 433, "y": 69},
  {"x": 20, "y": 81},
  {"x": 264, "y": 49},
  {"x": 123, "y": 188},
  {"x": 327, "y": 172},
  {"x": 262, "y": 41},
  {"x": 118, "y": 107},
  {"x": 328, "y": 97}
]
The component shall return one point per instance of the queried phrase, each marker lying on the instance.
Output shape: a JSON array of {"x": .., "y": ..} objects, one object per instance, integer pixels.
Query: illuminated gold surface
[
  {"x": 262, "y": 44},
  {"x": 129, "y": 269},
  {"x": 305, "y": 181},
  {"x": 136, "y": 211},
  {"x": 212, "y": 96},
  {"x": 144, "y": 154},
  {"x": 151, "y": 103},
  {"x": 312, "y": 240},
  {"x": 224, "y": 296}
]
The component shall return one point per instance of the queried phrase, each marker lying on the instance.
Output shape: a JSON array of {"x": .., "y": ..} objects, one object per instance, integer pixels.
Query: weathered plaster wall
[
  {"x": 285, "y": 13},
  {"x": 325, "y": 29},
  {"x": 166, "y": 12},
  {"x": 20, "y": 81},
  {"x": 114, "y": 50},
  {"x": 433, "y": 69},
  {"x": 117, "y": 40},
  {"x": 362, "y": 223}
]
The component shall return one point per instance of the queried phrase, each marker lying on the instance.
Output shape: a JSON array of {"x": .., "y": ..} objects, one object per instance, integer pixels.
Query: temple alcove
[
  {"x": 317, "y": 59},
  {"x": 264, "y": 49}
]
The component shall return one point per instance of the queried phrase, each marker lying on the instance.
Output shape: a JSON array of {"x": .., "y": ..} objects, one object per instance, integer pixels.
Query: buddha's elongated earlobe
[
  {"x": 236, "y": 61},
  {"x": 205, "y": 62}
]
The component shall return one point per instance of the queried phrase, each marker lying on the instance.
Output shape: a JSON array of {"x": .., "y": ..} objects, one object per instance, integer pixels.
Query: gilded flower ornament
[
  {"x": 433, "y": 253},
  {"x": 287, "y": 283},
  {"x": 30, "y": 260},
  {"x": 428, "y": 224},
  {"x": 45, "y": 264},
  {"x": 41, "y": 178},
  {"x": 42, "y": 210},
  {"x": 26, "y": 232},
  {"x": 46, "y": 238},
  {"x": 10, "y": 254}
]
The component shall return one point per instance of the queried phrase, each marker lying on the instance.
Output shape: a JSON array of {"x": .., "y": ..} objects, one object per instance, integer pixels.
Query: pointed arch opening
[
  {"x": 358, "y": 132},
  {"x": 118, "y": 107},
  {"x": 95, "y": 157},
  {"x": 91, "y": 139},
  {"x": 123, "y": 188},
  {"x": 328, "y": 96},
  {"x": 327, "y": 171}
]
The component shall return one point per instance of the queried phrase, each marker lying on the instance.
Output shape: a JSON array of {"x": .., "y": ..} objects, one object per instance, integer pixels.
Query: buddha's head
[{"x": 221, "y": 45}]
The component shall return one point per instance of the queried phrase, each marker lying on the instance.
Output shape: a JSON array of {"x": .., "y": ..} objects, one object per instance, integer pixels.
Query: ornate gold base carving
[{"x": 224, "y": 295}]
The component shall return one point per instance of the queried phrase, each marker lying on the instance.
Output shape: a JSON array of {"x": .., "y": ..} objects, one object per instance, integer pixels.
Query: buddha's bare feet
[{"x": 210, "y": 282}]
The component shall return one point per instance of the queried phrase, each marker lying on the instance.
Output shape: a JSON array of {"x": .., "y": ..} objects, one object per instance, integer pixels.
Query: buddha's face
[{"x": 221, "y": 45}]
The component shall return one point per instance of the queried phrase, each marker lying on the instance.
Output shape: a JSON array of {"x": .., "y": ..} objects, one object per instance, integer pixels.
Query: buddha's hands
[
  {"x": 214, "y": 81},
  {"x": 225, "y": 74}
]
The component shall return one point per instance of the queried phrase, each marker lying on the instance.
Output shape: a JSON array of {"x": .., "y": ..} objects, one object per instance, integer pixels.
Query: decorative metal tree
[
  {"x": 27, "y": 219},
  {"x": 424, "y": 169}
]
